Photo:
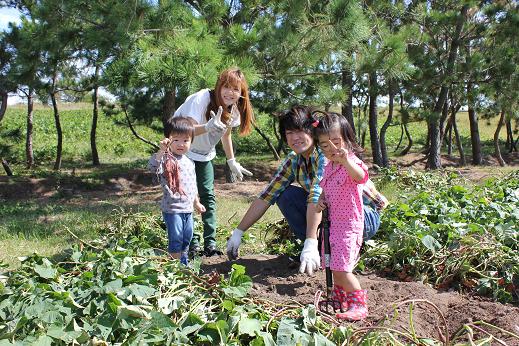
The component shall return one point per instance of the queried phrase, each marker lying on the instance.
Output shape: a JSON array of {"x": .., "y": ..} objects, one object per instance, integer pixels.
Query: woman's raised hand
[{"x": 215, "y": 123}]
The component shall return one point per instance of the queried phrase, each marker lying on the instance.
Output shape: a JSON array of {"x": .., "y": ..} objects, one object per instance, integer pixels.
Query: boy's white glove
[
  {"x": 237, "y": 169},
  {"x": 215, "y": 123},
  {"x": 310, "y": 260},
  {"x": 234, "y": 243}
]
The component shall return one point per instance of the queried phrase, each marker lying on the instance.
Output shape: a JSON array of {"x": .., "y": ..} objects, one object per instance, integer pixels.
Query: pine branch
[{"x": 135, "y": 132}]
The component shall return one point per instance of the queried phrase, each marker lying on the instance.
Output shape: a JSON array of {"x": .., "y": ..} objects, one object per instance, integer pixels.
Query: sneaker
[
  {"x": 183, "y": 259},
  {"x": 194, "y": 250},
  {"x": 212, "y": 251}
]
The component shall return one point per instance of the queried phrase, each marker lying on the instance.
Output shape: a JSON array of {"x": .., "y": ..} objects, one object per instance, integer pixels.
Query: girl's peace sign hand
[{"x": 340, "y": 154}]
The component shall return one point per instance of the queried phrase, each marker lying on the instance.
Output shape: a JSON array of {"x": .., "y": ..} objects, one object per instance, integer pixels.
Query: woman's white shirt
[{"x": 195, "y": 107}]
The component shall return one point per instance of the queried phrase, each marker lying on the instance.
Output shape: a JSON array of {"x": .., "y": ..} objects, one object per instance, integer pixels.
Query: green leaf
[
  {"x": 228, "y": 305},
  {"x": 45, "y": 272},
  {"x": 309, "y": 316},
  {"x": 113, "y": 286},
  {"x": 132, "y": 311},
  {"x": 192, "y": 324},
  {"x": 161, "y": 321},
  {"x": 52, "y": 317},
  {"x": 58, "y": 332},
  {"x": 320, "y": 340},
  {"x": 169, "y": 304},
  {"x": 214, "y": 332},
  {"x": 249, "y": 326},
  {"x": 263, "y": 339},
  {"x": 104, "y": 326},
  {"x": 43, "y": 340},
  {"x": 289, "y": 333},
  {"x": 239, "y": 282},
  {"x": 431, "y": 243},
  {"x": 139, "y": 291}
]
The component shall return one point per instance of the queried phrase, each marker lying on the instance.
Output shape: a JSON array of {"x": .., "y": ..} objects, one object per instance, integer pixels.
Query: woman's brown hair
[{"x": 232, "y": 77}]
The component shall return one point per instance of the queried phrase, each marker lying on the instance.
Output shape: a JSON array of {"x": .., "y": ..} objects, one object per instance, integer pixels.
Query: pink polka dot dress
[{"x": 344, "y": 200}]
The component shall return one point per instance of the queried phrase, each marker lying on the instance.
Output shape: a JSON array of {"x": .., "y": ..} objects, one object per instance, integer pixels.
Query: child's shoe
[
  {"x": 339, "y": 298},
  {"x": 184, "y": 258},
  {"x": 357, "y": 306}
]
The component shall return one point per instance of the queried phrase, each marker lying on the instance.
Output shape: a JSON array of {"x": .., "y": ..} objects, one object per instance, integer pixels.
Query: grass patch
[{"x": 29, "y": 226}]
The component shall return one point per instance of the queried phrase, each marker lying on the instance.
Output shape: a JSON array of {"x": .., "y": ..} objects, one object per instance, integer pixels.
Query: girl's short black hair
[
  {"x": 326, "y": 121},
  {"x": 180, "y": 126},
  {"x": 298, "y": 118}
]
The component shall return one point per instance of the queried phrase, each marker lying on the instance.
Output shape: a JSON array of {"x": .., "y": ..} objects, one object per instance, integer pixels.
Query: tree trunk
[
  {"x": 477, "y": 157},
  {"x": 7, "y": 169},
  {"x": 383, "y": 130},
  {"x": 168, "y": 109},
  {"x": 59, "y": 132},
  {"x": 3, "y": 103},
  {"x": 155, "y": 146},
  {"x": 409, "y": 139},
  {"x": 269, "y": 143},
  {"x": 448, "y": 134},
  {"x": 509, "y": 136},
  {"x": 459, "y": 144},
  {"x": 373, "y": 120},
  {"x": 280, "y": 146},
  {"x": 401, "y": 137},
  {"x": 497, "y": 150},
  {"x": 95, "y": 116},
  {"x": 29, "y": 154},
  {"x": 434, "y": 158},
  {"x": 443, "y": 120},
  {"x": 347, "y": 107}
]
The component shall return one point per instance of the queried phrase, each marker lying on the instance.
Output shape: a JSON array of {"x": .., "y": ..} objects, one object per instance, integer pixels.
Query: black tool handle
[{"x": 325, "y": 227}]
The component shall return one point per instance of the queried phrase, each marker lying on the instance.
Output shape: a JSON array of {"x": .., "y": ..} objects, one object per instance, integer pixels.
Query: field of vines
[
  {"x": 120, "y": 289},
  {"x": 450, "y": 233}
]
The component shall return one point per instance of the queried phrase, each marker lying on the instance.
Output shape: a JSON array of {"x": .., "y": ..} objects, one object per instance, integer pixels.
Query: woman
[{"x": 215, "y": 113}]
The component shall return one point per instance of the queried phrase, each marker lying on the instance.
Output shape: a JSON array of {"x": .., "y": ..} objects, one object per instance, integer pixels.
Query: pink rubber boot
[
  {"x": 339, "y": 295},
  {"x": 338, "y": 300},
  {"x": 357, "y": 306}
]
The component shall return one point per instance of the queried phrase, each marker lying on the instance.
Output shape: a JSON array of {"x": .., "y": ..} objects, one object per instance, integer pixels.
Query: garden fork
[{"x": 330, "y": 301}]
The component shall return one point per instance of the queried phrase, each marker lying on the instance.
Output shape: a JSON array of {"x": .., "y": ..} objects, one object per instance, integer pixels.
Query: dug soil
[{"x": 277, "y": 279}]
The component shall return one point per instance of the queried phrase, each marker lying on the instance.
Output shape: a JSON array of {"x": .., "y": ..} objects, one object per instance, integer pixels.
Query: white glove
[
  {"x": 237, "y": 169},
  {"x": 310, "y": 259},
  {"x": 215, "y": 123},
  {"x": 233, "y": 244}
]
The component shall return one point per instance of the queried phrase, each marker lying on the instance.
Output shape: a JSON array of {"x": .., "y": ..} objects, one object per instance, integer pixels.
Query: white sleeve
[{"x": 195, "y": 106}]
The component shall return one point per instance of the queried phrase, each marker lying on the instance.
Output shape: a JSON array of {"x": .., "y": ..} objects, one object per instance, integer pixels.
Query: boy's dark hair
[
  {"x": 298, "y": 118},
  {"x": 324, "y": 122},
  {"x": 180, "y": 126}
]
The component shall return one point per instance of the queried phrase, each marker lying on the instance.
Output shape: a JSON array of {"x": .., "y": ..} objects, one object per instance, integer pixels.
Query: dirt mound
[{"x": 276, "y": 278}]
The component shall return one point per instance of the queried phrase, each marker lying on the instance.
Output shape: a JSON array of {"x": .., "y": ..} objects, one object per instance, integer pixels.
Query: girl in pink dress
[{"x": 342, "y": 184}]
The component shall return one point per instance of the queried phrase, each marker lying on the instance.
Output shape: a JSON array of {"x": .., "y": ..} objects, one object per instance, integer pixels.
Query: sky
[{"x": 8, "y": 15}]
